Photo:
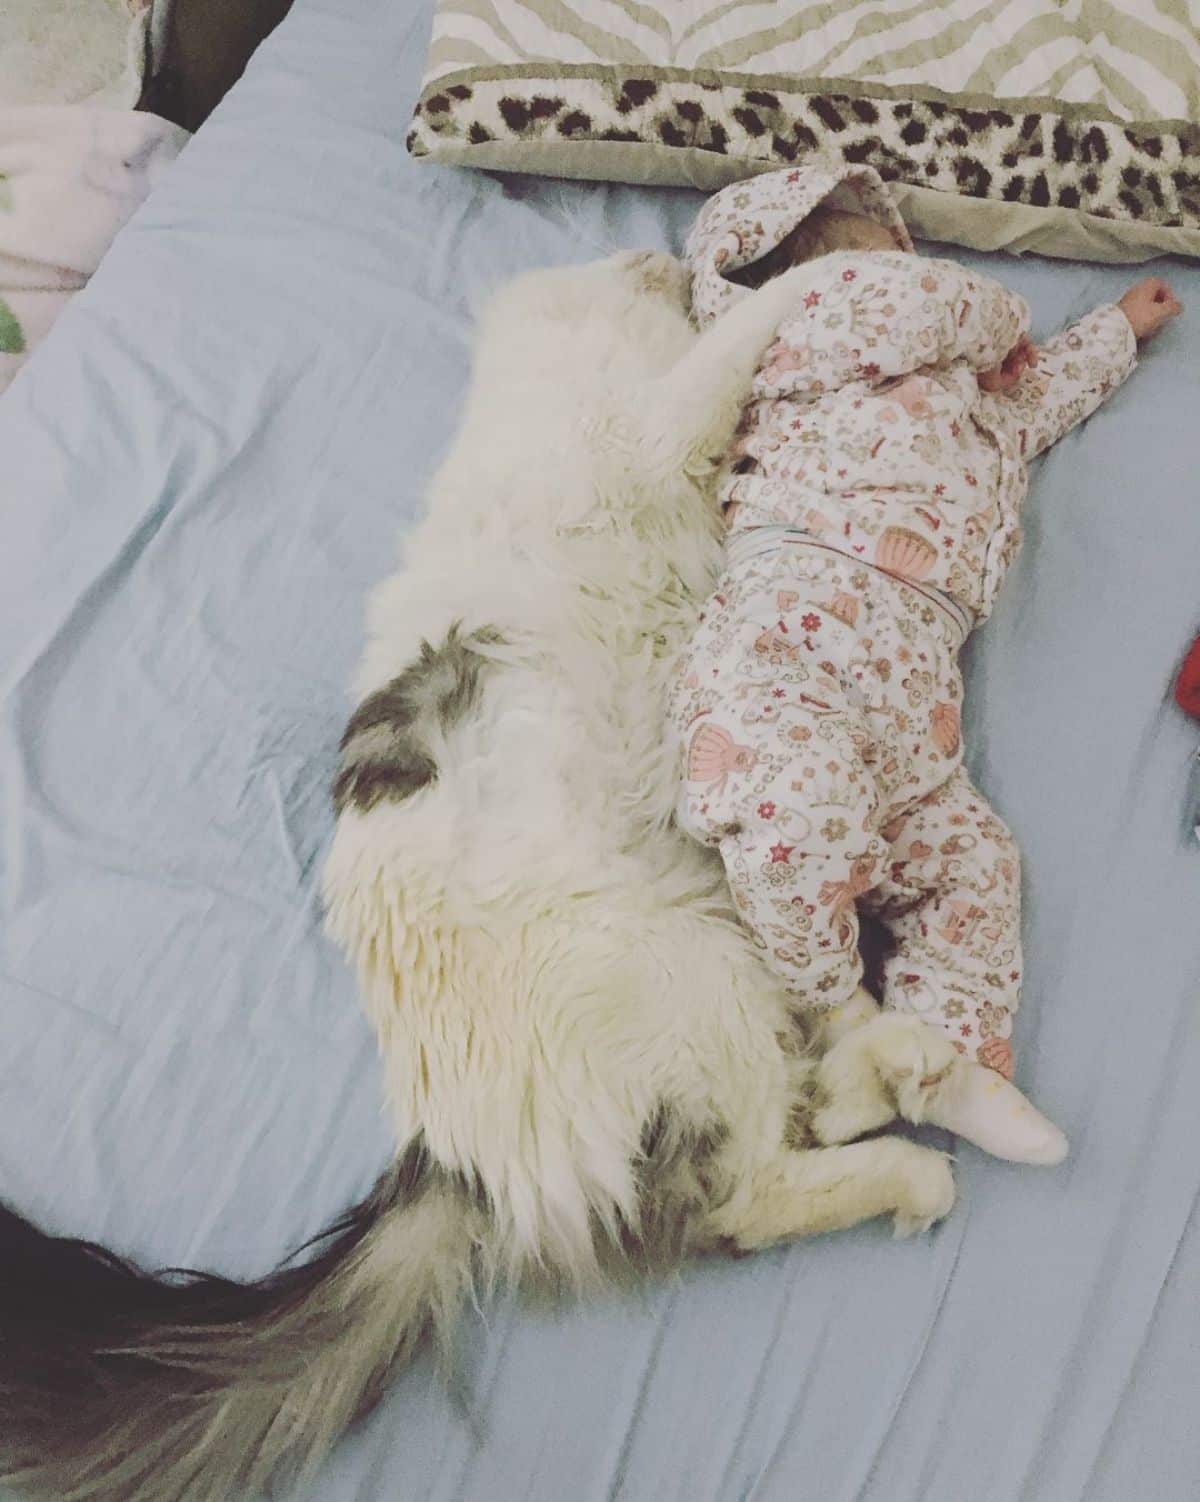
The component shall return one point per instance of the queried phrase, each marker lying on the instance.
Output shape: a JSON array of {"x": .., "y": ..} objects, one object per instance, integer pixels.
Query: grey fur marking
[
  {"x": 386, "y": 751},
  {"x": 675, "y": 1188}
]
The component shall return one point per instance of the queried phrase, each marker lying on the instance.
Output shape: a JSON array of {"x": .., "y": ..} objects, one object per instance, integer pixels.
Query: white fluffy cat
[{"x": 552, "y": 968}]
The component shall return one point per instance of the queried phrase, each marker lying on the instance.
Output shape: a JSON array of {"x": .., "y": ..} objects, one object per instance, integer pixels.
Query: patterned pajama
[
  {"x": 874, "y": 497},
  {"x": 819, "y": 705}
]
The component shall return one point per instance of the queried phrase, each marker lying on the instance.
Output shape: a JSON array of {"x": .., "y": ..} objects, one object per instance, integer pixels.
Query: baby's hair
[
  {"x": 825, "y": 230},
  {"x": 829, "y": 229}
]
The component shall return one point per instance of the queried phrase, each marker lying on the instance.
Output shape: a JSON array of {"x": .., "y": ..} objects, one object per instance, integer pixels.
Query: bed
[{"x": 204, "y": 470}]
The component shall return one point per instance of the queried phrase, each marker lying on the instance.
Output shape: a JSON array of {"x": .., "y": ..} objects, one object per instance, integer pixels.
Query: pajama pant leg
[
  {"x": 793, "y": 816},
  {"x": 951, "y": 900}
]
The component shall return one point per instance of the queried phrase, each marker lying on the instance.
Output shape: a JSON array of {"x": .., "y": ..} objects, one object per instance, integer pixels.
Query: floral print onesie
[{"x": 877, "y": 495}]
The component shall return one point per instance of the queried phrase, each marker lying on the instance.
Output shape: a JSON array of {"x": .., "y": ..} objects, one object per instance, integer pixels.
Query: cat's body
[{"x": 585, "y": 1056}]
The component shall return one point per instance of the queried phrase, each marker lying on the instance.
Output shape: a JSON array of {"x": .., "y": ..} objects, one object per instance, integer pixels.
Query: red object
[{"x": 1187, "y": 688}]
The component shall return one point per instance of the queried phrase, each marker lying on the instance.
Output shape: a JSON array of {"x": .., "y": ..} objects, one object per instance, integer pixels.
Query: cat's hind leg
[{"x": 805, "y": 1193}]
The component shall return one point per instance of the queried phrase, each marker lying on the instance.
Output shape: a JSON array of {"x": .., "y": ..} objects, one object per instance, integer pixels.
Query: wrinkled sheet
[{"x": 204, "y": 469}]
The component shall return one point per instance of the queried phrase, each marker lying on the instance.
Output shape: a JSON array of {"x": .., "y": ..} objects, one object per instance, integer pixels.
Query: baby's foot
[{"x": 986, "y": 1109}]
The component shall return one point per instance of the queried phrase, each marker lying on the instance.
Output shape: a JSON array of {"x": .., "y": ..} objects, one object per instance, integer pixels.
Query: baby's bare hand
[
  {"x": 1003, "y": 377},
  {"x": 1149, "y": 305}
]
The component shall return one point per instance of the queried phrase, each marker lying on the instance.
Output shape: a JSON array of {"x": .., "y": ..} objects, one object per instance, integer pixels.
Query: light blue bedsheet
[{"x": 201, "y": 474}]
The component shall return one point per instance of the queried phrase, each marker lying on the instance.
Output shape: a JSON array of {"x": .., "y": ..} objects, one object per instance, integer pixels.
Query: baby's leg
[
  {"x": 773, "y": 779},
  {"x": 952, "y": 902},
  {"x": 795, "y": 859}
]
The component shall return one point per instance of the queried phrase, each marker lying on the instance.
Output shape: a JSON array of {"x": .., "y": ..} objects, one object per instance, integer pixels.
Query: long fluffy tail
[{"x": 120, "y": 1386}]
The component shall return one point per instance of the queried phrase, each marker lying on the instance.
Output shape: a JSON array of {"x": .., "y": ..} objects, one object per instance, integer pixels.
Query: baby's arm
[
  {"x": 1082, "y": 366},
  {"x": 877, "y": 316},
  {"x": 988, "y": 320}
]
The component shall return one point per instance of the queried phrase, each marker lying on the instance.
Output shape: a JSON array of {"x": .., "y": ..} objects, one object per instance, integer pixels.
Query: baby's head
[
  {"x": 825, "y": 230},
  {"x": 760, "y": 227}
]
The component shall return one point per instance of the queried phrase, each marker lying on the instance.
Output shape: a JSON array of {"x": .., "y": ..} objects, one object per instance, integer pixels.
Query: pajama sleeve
[
  {"x": 1076, "y": 371},
  {"x": 985, "y": 319},
  {"x": 878, "y": 316}
]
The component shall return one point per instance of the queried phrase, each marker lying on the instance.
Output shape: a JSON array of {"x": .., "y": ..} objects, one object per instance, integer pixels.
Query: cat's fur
[{"x": 586, "y": 1058}]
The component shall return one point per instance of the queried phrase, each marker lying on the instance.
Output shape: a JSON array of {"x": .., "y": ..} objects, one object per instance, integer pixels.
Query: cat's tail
[{"x": 120, "y": 1386}]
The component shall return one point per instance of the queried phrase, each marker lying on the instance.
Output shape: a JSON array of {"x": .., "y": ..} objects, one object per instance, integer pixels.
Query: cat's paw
[
  {"x": 928, "y": 1193},
  {"x": 912, "y": 1060},
  {"x": 891, "y": 1066}
]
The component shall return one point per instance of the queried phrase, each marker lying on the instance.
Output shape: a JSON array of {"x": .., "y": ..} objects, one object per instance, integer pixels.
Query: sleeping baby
[{"x": 873, "y": 503}]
